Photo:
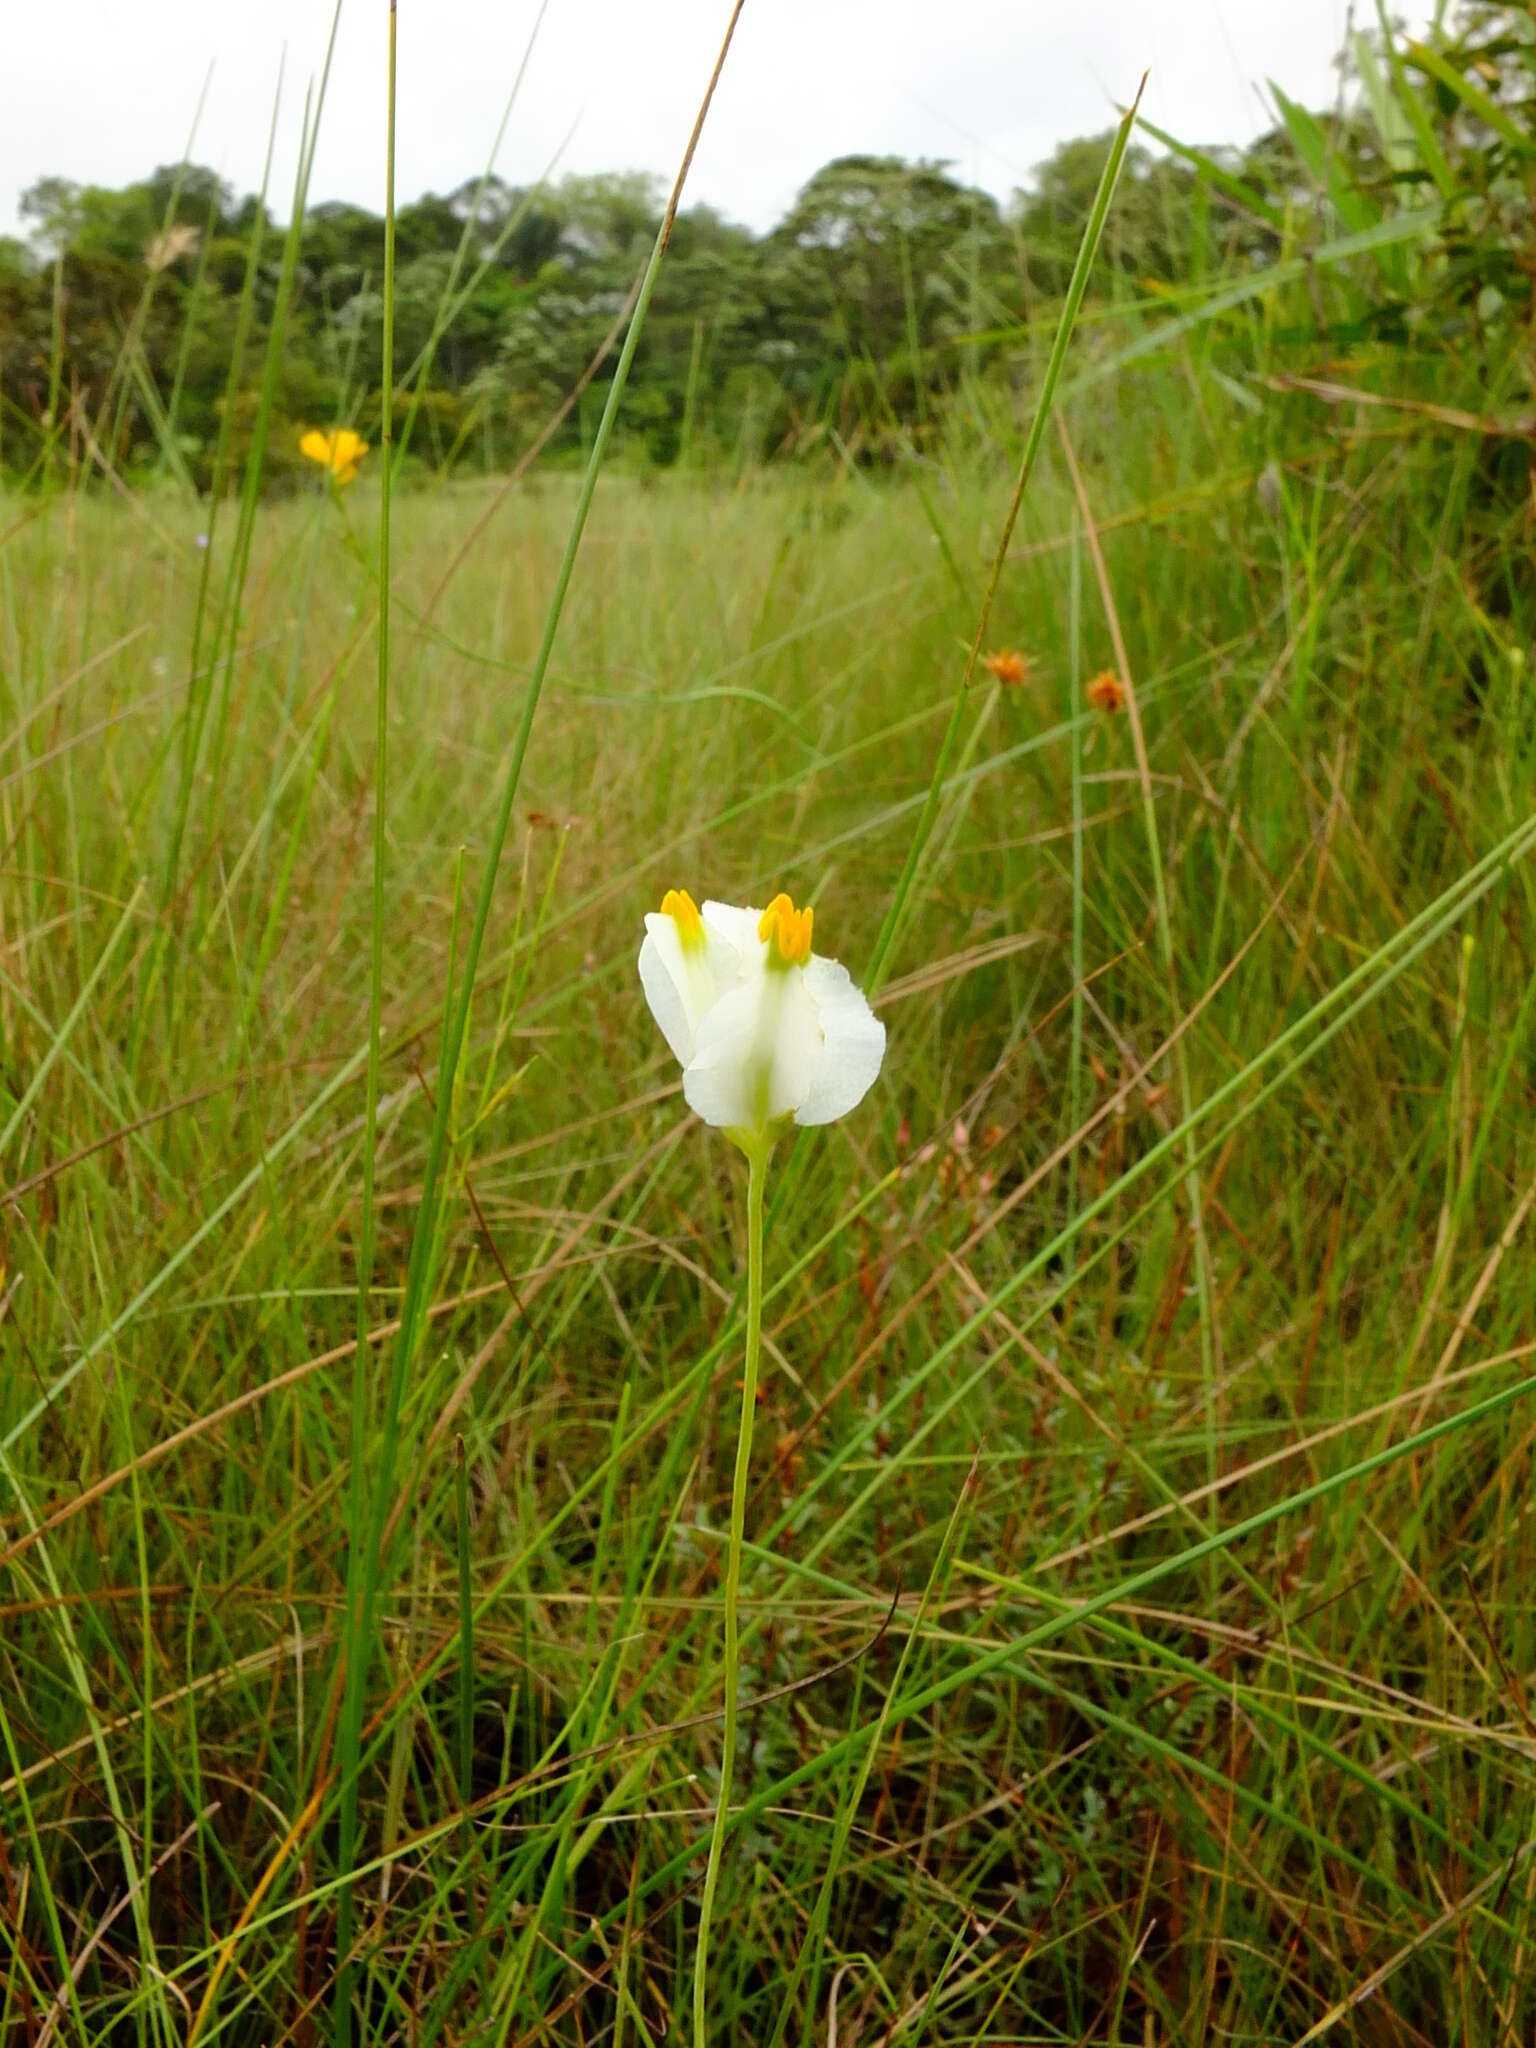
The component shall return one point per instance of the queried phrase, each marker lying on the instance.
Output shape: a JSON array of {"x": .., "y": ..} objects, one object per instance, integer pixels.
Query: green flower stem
[{"x": 757, "y": 1151}]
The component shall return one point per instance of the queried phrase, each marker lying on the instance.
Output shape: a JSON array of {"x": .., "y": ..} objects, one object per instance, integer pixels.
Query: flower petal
[
  {"x": 722, "y": 960},
  {"x": 798, "y": 1050},
  {"x": 682, "y": 980},
  {"x": 853, "y": 1044},
  {"x": 664, "y": 977},
  {"x": 759, "y": 1049},
  {"x": 719, "y": 1081},
  {"x": 738, "y": 928}
]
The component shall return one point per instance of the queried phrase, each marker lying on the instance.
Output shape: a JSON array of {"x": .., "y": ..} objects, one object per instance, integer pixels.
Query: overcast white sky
[{"x": 110, "y": 86}]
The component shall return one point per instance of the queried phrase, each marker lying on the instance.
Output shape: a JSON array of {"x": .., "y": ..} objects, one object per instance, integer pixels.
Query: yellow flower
[{"x": 337, "y": 449}]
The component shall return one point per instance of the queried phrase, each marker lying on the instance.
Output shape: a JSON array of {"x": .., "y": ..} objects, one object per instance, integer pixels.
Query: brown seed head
[
  {"x": 1007, "y": 666},
  {"x": 1106, "y": 692}
]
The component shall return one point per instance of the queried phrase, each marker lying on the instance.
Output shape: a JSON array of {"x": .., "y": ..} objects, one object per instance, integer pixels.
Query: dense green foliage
[
  {"x": 863, "y": 305},
  {"x": 887, "y": 290},
  {"x": 1146, "y": 1436}
]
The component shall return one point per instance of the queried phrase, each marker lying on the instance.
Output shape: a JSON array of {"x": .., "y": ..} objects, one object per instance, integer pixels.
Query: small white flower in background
[{"x": 764, "y": 1029}]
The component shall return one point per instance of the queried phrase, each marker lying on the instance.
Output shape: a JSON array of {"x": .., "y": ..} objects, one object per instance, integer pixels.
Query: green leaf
[
  {"x": 1471, "y": 96},
  {"x": 1406, "y": 227},
  {"x": 1352, "y": 206},
  {"x": 1390, "y": 120},
  {"x": 1213, "y": 173},
  {"x": 1429, "y": 149}
]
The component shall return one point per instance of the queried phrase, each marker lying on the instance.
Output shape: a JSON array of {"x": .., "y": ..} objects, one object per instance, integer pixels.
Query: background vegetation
[
  {"x": 862, "y": 310},
  {"x": 1139, "y": 1634},
  {"x": 132, "y": 325}
]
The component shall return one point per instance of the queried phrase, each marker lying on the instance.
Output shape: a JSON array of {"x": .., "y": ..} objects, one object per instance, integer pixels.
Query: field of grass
[{"x": 1136, "y": 1611}]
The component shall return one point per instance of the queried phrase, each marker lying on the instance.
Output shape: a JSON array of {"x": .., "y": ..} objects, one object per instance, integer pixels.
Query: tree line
[{"x": 135, "y": 324}]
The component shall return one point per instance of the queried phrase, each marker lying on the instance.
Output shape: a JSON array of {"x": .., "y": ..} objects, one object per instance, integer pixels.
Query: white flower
[{"x": 763, "y": 1028}]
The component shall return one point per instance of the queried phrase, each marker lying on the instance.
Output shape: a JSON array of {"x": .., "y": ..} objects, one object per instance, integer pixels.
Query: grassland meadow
[{"x": 766, "y": 1133}]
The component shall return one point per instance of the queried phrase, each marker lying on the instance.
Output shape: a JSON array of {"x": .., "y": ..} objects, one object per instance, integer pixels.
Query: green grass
[{"x": 1136, "y": 1626}]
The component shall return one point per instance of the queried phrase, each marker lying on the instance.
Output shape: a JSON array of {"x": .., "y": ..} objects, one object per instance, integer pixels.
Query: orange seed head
[{"x": 1007, "y": 666}]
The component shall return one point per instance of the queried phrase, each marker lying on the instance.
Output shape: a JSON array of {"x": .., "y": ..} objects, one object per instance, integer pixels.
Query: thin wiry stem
[
  {"x": 358, "y": 1630},
  {"x": 757, "y": 1171},
  {"x": 372, "y": 1563}
]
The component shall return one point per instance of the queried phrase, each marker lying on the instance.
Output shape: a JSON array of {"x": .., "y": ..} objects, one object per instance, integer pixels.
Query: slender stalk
[
  {"x": 890, "y": 928},
  {"x": 466, "y": 1640},
  {"x": 359, "y": 1643},
  {"x": 456, "y": 1020},
  {"x": 852, "y": 1800},
  {"x": 66, "y": 1030},
  {"x": 874, "y": 976},
  {"x": 757, "y": 1172},
  {"x": 368, "y": 1557},
  {"x": 1204, "y": 1285},
  {"x": 194, "y": 711},
  {"x": 1075, "y": 721}
]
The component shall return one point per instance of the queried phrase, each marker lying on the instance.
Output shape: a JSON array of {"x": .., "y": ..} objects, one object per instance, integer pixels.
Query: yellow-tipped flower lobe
[
  {"x": 684, "y": 913},
  {"x": 337, "y": 449},
  {"x": 787, "y": 931}
]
